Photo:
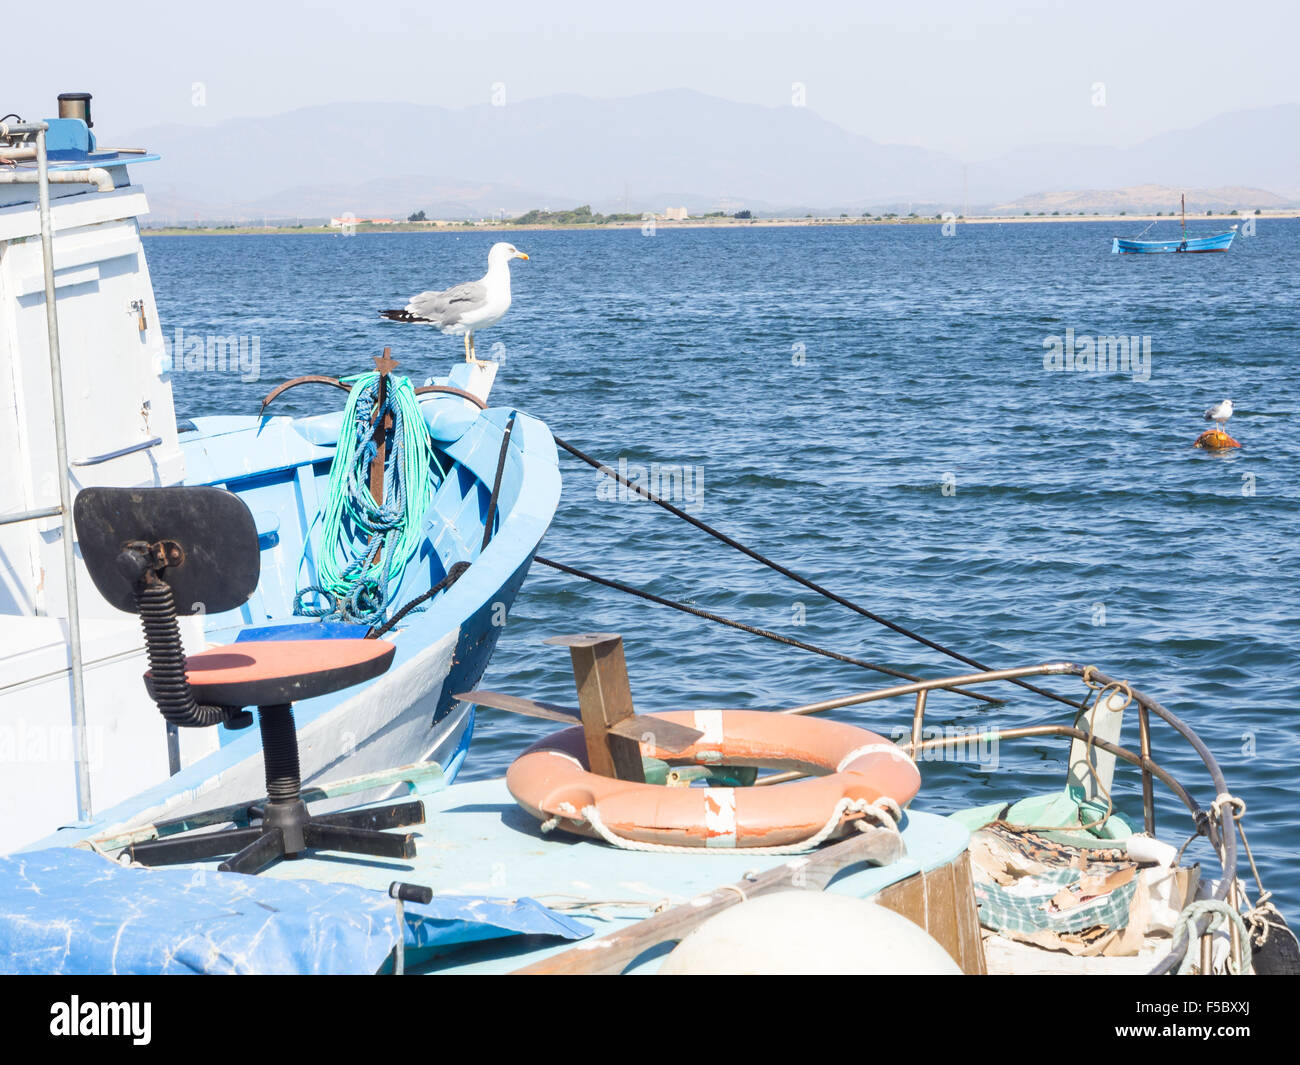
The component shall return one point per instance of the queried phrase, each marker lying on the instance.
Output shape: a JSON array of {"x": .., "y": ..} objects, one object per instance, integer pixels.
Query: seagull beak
[{"x": 520, "y": 255}]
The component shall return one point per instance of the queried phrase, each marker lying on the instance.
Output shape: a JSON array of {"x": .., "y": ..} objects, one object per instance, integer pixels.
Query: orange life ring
[{"x": 551, "y": 780}]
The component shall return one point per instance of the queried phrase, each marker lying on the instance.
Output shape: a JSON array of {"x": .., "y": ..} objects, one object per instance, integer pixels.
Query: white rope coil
[{"x": 883, "y": 813}]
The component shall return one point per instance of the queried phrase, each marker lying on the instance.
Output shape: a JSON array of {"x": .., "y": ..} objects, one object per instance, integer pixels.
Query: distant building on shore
[
  {"x": 675, "y": 214},
  {"x": 349, "y": 220}
]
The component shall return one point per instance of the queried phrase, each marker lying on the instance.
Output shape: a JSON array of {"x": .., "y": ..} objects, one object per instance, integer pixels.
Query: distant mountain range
[
  {"x": 642, "y": 153},
  {"x": 1144, "y": 199}
]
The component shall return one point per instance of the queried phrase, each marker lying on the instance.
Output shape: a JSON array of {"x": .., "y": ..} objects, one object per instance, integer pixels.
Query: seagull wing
[{"x": 449, "y": 306}]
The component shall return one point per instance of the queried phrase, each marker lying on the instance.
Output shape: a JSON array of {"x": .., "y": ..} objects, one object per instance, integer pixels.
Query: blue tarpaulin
[{"x": 65, "y": 910}]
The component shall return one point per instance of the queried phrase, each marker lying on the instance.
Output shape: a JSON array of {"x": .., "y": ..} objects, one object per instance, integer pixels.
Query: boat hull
[
  {"x": 1217, "y": 242},
  {"x": 99, "y": 750},
  {"x": 406, "y": 716}
]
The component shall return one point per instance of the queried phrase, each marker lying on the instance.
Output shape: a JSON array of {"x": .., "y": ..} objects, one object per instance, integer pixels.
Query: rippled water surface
[{"x": 870, "y": 406}]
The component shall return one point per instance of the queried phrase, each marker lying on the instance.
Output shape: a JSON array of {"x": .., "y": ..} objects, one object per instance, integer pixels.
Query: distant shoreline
[{"x": 690, "y": 223}]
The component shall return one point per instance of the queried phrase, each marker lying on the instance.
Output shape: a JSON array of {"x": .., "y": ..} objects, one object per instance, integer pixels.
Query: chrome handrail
[
  {"x": 10, "y": 131},
  {"x": 1207, "y": 823}
]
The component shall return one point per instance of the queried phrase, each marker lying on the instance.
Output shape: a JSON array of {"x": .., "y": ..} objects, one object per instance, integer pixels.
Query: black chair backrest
[{"x": 220, "y": 562}]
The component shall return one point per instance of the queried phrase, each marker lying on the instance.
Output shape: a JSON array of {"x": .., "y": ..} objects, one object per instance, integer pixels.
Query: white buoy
[
  {"x": 1144, "y": 849},
  {"x": 792, "y": 933}
]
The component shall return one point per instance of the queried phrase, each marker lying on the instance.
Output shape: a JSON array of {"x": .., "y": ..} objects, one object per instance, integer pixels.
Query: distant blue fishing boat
[
  {"x": 1214, "y": 242},
  {"x": 1217, "y": 242}
]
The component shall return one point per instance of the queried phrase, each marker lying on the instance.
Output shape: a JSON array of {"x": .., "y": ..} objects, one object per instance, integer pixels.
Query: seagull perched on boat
[
  {"x": 1220, "y": 413},
  {"x": 463, "y": 310}
]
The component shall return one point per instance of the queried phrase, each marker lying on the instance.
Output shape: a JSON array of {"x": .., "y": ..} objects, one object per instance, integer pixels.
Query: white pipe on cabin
[
  {"x": 21, "y": 129},
  {"x": 43, "y": 176},
  {"x": 94, "y": 175}
]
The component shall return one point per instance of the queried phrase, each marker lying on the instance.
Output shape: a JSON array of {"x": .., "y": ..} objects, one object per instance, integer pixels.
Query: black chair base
[{"x": 289, "y": 831}]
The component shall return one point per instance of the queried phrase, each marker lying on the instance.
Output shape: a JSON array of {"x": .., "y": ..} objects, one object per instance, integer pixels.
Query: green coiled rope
[{"x": 365, "y": 546}]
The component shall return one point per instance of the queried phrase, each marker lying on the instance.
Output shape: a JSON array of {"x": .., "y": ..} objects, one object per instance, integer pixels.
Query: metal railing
[
  {"x": 10, "y": 132},
  {"x": 1208, "y": 823}
]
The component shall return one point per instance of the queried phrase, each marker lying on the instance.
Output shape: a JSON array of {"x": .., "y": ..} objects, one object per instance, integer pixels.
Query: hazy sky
[{"x": 969, "y": 78}]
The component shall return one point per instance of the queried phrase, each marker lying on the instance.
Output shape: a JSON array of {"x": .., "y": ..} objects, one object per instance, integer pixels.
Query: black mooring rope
[
  {"x": 812, "y": 585},
  {"x": 496, "y": 482},
  {"x": 767, "y": 633},
  {"x": 454, "y": 574},
  {"x": 457, "y": 570}
]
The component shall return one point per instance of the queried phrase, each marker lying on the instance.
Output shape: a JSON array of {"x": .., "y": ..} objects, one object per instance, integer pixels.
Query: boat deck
[{"x": 477, "y": 841}]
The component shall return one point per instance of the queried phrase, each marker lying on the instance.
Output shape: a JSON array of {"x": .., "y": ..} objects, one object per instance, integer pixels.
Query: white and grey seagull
[
  {"x": 463, "y": 310},
  {"x": 1219, "y": 413}
]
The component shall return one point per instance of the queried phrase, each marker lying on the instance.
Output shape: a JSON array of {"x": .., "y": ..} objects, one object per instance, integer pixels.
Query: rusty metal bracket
[{"x": 322, "y": 379}]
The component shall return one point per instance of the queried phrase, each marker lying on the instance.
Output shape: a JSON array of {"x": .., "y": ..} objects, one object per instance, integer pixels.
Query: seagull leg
[{"x": 469, "y": 353}]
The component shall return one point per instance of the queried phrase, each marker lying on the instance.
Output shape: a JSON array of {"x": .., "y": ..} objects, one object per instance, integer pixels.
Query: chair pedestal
[{"x": 288, "y": 828}]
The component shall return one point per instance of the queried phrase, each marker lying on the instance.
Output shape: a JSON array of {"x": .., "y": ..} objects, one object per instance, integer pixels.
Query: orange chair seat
[{"x": 272, "y": 672}]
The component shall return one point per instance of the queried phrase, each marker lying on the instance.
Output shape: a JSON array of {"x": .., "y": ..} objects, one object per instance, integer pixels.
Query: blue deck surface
[
  {"x": 505, "y": 896},
  {"x": 478, "y": 842}
]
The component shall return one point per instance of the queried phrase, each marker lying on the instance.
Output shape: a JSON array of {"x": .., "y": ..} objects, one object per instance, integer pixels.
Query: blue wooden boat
[
  {"x": 280, "y": 467},
  {"x": 81, "y": 734},
  {"x": 1213, "y": 242}
]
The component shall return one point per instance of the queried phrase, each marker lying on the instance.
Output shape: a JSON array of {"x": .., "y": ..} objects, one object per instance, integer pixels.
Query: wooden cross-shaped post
[
  {"x": 604, "y": 699},
  {"x": 385, "y": 364}
]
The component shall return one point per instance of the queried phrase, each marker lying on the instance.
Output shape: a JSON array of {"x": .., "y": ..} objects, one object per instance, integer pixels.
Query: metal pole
[
  {"x": 399, "y": 949},
  {"x": 1236, "y": 945},
  {"x": 876, "y": 694},
  {"x": 30, "y": 515},
  {"x": 1023, "y": 732},
  {"x": 918, "y": 718},
  {"x": 1148, "y": 790},
  {"x": 65, "y": 490},
  {"x": 173, "y": 749}
]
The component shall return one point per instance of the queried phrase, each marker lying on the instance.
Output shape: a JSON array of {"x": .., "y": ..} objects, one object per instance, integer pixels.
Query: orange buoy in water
[{"x": 1215, "y": 440}]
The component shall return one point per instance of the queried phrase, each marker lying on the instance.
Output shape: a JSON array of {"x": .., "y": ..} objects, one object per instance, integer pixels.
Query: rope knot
[
  {"x": 1224, "y": 799},
  {"x": 1106, "y": 690},
  {"x": 1222, "y": 917}
]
